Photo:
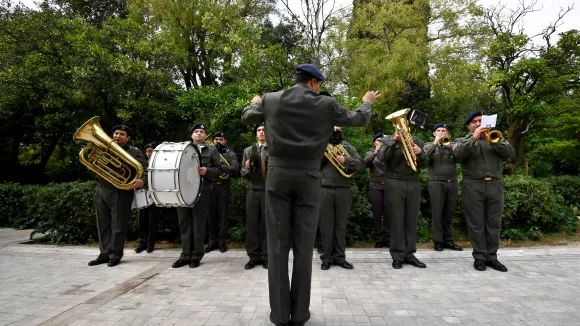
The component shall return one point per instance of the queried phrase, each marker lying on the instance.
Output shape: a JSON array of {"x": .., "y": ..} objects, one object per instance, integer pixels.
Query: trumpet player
[
  {"x": 442, "y": 187},
  {"x": 336, "y": 200},
  {"x": 378, "y": 195},
  {"x": 404, "y": 194},
  {"x": 482, "y": 189},
  {"x": 220, "y": 195},
  {"x": 113, "y": 205}
]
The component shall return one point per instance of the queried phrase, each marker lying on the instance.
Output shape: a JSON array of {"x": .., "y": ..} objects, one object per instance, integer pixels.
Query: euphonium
[
  {"x": 223, "y": 160},
  {"x": 105, "y": 157},
  {"x": 492, "y": 136},
  {"x": 402, "y": 127},
  {"x": 332, "y": 153}
]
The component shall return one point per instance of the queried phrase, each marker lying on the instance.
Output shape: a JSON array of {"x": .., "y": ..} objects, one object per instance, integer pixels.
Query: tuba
[
  {"x": 332, "y": 153},
  {"x": 402, "y": 127},
  {"x": 223, "y": 161},
  {"x": 105, "y": 157}
]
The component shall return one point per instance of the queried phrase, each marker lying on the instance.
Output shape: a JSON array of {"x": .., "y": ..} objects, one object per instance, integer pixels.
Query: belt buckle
[
  {"x": 487, "y": 178},
  {"x": 218, "y": 183},
  {"x": 382, "y": 182}
]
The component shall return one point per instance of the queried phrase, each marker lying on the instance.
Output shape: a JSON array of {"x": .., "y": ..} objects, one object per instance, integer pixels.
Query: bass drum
[{"x": 173, "y": 177}]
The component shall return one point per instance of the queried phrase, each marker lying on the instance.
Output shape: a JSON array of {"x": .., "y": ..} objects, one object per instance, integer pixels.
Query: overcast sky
[{"x": 533, "y": 22}]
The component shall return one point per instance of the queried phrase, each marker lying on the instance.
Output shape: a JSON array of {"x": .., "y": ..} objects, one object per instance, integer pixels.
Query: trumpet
[
  {"x": 105, "y": 157},
  {"x": 491, "y": 136},
  {"x": 332, "y": 153},
  {"x": 223, "y": 161},
  {"x": 446, "y": 141},
  {"x": 402, "y": 127}
]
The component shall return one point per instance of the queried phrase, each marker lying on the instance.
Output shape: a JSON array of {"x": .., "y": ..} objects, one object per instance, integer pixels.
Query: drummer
[
  {"x": 192, "y": 220},
  {"x": 148, "y": 218}
]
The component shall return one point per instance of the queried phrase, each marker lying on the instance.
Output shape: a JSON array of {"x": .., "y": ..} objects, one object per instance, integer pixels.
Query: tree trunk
[
  {"x": 47, "y": 152},
  {"x": 516, "y": 139}
]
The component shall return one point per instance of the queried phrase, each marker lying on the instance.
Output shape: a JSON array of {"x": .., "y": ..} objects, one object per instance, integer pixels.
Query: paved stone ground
[{"x": 52, "y": 285}]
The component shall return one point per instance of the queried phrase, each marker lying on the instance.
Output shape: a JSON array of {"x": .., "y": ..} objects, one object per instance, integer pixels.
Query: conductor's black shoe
[
  {"x": 98, "y": 261},
  {"x": 251, "y": 264},
  {"x": 113, "y": 262},
  {"x": 378, "y": 244},
  {"x": 179, "y": 263},
  {"x": 194, "y": 263},
  {"x": 325, "y": 266},
  {"x": 210, "y": 248},
  {"x": 452, "y": 246},
  {"x": 397, "y": 264},
  {"x": 139, "y": 250},
  {"x": 150, "y": 249},
  {"x": 479, "y": 265},
  {"x": 496, "y": 265},
  {"x": 223, "y": 249},
  {"x": 438, "y": 246},
  {"x": 345, "y": 265},
  {"x": 415, "y": 262},
  {"x": 265, "y": 264}
]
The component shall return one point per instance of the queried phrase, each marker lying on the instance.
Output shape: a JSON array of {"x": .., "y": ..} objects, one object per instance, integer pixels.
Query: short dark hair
[{"x": 303, "y": 78}]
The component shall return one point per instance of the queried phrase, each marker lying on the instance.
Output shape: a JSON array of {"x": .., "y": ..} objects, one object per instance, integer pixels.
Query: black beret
[
  {"x": 261, "y": 124},
  {"x": 440, "y": 125},
  {"x": 378, "y": 135},
  {"x": 473, "y": 115},
  {"x": 310, "y": 69},
  {"x": 150, "y": 145},
  {"x": 122, "y": 127},
  {"x": 218, "y": 134},
  {"x": 198, "y": 126}
]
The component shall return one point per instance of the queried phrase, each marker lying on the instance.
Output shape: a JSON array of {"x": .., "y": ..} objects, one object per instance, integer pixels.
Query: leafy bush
[
  {"x": 567, "y": 187},
  {"x": 14, "y": 200}
]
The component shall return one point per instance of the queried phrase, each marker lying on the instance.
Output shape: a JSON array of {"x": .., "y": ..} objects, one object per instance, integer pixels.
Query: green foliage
[{"x": 15, "y": 199}]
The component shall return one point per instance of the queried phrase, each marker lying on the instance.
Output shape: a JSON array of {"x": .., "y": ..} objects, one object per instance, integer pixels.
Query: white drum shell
[{"x": 142, "y": 199}]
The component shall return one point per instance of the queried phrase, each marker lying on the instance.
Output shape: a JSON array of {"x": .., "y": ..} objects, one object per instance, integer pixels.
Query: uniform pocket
[{"x": 314, "y": 174}]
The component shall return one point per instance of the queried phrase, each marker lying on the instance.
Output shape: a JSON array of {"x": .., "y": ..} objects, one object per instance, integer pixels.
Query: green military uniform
[
  {"x": 113, "y": 207},
  {"x": 482, "y": 191},
  {"x": 378, "y": 197},
  {"x": 220, "y": 202},
  {"x": 404, "y": 197},
  {"x": 298, "y": 123},
  {"x": 335, "y": 205},
  {"x": 192, "y": 220},
  {"x": 256, "y": 243},
  {"x": 443, "y": 190}
]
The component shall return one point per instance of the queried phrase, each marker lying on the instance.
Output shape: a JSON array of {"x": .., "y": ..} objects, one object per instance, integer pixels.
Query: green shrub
[
  {"x": 14, "y": 200},
  {"x": 568, "y": 188}
]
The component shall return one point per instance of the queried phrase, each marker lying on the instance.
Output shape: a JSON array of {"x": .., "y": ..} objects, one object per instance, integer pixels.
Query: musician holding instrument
[
  {"x": 113, "y": 205},
  {"x": 481, "y": 155},
  {"x": 378, "y": 195},
  {"x": 404, "y": 157},
  {"x": 256, "y": 240},
  {"x": 148, "y": 218},
  {"x": 192, "y": 220},
  {"x": 443, "y": 187},
  {"x": 341, "y": 161},
  {"x": 220, "y": 195},
  {"x": 298, "y": 125}
]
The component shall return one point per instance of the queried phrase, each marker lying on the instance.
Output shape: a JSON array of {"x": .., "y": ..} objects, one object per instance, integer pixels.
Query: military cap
[
  {"x": 122, "y": 127},
  {"x": 219, "y": 134},
  {"x": 198, "y": 126},
  {"x": 310, "y": 69},
  {"x": 378, "y": 135},
  {"x": 261, "y": 124},
  {"x": 150, "y": 145},
  {"x": 473, "y": 115},
  {"x": 440, "y": 125}
]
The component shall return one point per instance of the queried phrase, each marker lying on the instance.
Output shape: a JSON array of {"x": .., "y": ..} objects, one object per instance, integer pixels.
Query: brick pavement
[{"x": 52, "y": 285}]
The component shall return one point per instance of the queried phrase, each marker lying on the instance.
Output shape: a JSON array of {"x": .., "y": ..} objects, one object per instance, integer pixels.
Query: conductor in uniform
[
  {"x": 378, "y": 195},
  {"x": 299, "y": 123},
  {"x": 443, "y": 187},
  {"x": 482, "y": 189},
  {"x": 336, "y": 202},
  {"x": 220, "y": 195},
  {"x": 192, "y": 219},
  {"x": 113, "y": 205},
  {"x": 256, "y": 243}
]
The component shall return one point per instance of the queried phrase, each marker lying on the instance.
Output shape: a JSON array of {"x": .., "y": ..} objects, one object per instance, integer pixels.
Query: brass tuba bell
[
  {"x": 402, "y": 127},
  {"x": 105, "y": 157}
]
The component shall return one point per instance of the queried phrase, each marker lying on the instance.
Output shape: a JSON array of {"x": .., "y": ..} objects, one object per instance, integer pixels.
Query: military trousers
[
  {"x": 381, "y": 223},
  {"x": 443, "y": 195},
  {"x": 403, "y": 201},
  {"x": 192, "y": 222},
  {"x": 292, "y": 207},
  {"x": 113, "y": 209},
  {"x": 483, "y": 204},
  {"x": 256, "y": 239},
  {"x": 334, "y": 211},
  {"x": 148, "y": 219},
  {"x": 219, "y": 209}
]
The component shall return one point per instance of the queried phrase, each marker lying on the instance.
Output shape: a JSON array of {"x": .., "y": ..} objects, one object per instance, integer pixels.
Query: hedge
[{"x": 65, "y": 212}]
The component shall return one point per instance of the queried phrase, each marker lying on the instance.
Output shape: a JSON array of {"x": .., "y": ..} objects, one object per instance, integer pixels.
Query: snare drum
[
  {"x": 174, "y": 180},
  {"x": 142, "y": 199}
]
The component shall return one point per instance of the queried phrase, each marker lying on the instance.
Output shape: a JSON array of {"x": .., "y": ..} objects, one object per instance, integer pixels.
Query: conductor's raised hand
[
  {"x": 371, "y": 96},
  {"x": 257, "y": 99}
]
